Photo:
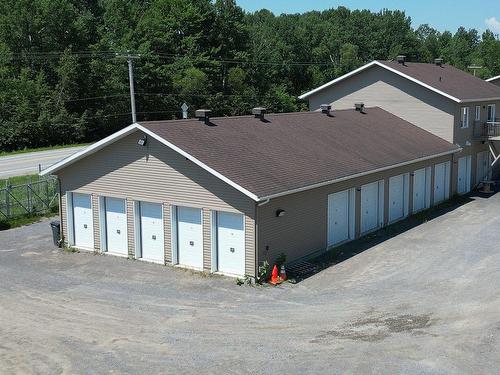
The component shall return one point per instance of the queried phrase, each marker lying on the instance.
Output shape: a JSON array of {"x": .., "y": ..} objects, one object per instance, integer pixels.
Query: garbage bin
[{"x": 56, "y": 232}]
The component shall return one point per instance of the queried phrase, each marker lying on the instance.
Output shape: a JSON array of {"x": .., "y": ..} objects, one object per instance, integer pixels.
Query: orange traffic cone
[
  {"x": 274, "y": 275},
  {"x": 282, "y": 273}
]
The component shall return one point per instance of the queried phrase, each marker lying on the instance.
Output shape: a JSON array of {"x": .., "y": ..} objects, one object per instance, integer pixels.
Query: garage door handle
[
  {"x": 118, "y": 231},
  {"x": 153, "y": 237},
  {"x": 85, "y": 226},
  {"x": 191, "y": 243},
  {"x": 231, "y": 249}
]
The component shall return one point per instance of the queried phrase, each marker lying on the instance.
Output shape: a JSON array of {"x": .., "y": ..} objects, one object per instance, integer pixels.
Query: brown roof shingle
[
  {"x": 448, "y": 79},
  {"x": 295, "y": 150}
]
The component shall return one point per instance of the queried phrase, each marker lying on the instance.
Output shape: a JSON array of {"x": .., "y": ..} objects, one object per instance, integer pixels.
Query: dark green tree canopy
[{"x": 61, "y": 82}]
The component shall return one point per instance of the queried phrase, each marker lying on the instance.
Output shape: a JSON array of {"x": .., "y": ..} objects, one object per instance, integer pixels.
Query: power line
[{"x": 172, "y": 56}]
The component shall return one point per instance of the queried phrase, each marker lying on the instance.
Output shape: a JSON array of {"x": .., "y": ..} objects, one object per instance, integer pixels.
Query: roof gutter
[{"x": 325, "y": 183}]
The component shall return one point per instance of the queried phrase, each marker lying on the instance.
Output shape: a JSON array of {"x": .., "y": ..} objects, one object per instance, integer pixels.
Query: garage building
[{"x": 224, "y": 194}]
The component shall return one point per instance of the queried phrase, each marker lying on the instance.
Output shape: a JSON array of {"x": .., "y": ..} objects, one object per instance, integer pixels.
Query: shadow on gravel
[{"x": 350, "y": 249}]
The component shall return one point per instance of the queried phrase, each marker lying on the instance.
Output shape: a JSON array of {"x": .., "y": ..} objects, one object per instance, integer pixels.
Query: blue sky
[{"x": 441, "y": 14}]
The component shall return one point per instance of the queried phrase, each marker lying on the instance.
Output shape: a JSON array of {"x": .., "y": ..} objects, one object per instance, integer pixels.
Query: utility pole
[{"x": 129, "y": 58}]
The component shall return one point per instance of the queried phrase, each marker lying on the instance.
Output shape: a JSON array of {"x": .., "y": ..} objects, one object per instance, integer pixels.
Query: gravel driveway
[{"x": 423, "y": 302}]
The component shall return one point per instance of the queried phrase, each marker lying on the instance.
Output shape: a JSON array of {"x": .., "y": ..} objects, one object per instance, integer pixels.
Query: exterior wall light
[
  {"x": 280, "y": 212},
  {"x": 142, "y": 141}
]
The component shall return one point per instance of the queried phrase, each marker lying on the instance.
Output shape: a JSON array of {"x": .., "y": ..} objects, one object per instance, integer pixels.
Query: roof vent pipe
[
  {"x": 203, "y": 115},
  {"x": 360, "y": 107},
  {"x": 326, "y": 108},
  {"x": 259, "y": 112},
  {"x": 438, "y": 61},
  {"x": 401, "y": 59}
]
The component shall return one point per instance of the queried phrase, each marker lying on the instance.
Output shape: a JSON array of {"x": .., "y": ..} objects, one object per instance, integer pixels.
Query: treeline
[{"x": 61, "y": 81}]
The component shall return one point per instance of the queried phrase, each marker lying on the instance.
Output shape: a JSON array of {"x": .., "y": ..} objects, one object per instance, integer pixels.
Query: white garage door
[
  {"x": 398, "y": 197},
  {"x": 189, "y": 237},
  {"x": 341, "y": 216},
  {"x": 464, "y": 173},
  {"x": 421, "y": 189},
  {"x": 372, "y": 206},
  {"x": 441, "y": 182},
  {"x": 152, "y": 237},
  {"x": 483, "y": 171},
  {"x": 116, "y": 226},
  {"x": 231, "y": 243},
  {"x": 83, "y": 228}
]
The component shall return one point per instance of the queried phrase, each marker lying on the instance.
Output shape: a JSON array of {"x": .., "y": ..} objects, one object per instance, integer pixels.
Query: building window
[
  {"x": 478, "y": 113},
  {"x": 464, "y": 120},
  {"x": 491, "y": 112}
]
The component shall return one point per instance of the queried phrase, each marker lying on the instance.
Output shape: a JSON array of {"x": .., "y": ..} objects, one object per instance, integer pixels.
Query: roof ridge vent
[
  {"x": 326, "y": 108},
  {"x": 438, "y": 61},
  {"x": 259, "y": 112},
  {"x": 359, "y": 107},
  {"x": 203, "y": 115}
]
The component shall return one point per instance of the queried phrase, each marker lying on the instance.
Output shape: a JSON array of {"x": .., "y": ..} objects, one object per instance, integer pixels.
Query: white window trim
[
  {"x": 477, "y": 113},
  {"x": 464, "y": 117},
  {"x": 493, "y": 112}
]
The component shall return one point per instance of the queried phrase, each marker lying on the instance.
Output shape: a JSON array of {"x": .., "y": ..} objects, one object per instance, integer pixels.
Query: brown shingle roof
[
  {"x": 448, "y": 79},
  {"x": 295, "y": 150}
]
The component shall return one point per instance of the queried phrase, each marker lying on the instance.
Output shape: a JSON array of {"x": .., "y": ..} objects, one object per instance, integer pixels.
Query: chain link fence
[{"x": 33, "y": 198}]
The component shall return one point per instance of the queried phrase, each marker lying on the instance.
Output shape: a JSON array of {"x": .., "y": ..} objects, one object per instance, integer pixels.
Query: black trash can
[{"x": 56, "y": 232}]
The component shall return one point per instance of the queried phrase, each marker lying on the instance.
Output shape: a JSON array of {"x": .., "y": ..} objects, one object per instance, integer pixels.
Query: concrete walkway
[{"x": 423, "y": 302}]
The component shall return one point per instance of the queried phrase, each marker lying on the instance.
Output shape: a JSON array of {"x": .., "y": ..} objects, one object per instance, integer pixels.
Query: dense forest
[{"x": 63, "y": 78}]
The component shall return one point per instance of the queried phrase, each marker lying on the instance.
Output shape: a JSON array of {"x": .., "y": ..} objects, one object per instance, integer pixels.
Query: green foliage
[
  {"x": 61, "y": 83},
  {"x": 263, "y": 272}
]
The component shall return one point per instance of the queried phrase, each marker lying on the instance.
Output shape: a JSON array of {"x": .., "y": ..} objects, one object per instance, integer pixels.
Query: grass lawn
[
  {"x": 19, "y": 180},
  {"x": 26, "y": 219},
  {"x": 25, "y": 150}
]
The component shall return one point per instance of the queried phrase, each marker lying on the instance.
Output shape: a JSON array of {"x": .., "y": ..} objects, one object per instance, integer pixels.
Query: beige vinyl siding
[
  {"x": 130, "y": 228},
  {"x": 250, "y": 263},
  {"x": 303, "y": 229},
  {"x": 207, "y": 240},
  {"x": 97, "y": 223},
  {"x": 377, "y": 87},
  {"x": 167, "y": 222},
  {"x": 64, "y": 218},
  {"x": 155, "y": 173}
]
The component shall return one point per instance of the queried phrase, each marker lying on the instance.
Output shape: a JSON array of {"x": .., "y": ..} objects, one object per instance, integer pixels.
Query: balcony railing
[{"x": 487, "y": 130}]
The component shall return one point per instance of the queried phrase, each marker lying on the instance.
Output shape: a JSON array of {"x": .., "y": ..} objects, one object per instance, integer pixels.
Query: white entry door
[
  {"x": 463, "y": 176},
  {"x": 116, "y": 226},
  {"x": 83, "y": 228},
  {"x": 372, "y": 206},
  {"x": 340, "y": 217},
  {"x": 190, "y": 237},
  {"x": 398, "y": 197},
  {"x": 441, "y": 182},
  {"x": 483, "y": 171},
  {"x": 421, "y": 189},
  {"x": 231, "y": 243},
  {"x": 152, "y": 229}
]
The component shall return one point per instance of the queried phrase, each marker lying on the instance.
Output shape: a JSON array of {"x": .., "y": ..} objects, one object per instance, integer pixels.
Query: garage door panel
[
  {"x": 421, "y": 189},
  {"x": 371, "y": 206},
  {"x": 152, "y": 231},
  {"x": 441, "y": 182},
  {"x": 340, "y": 217},
  {"x": 231, "y": 243},
  {"x": 190, "y": 237},
  {"x": 464, "y": 174},
  {"x": 83, "y": 230},
  {"x": 116, "y": 226}
]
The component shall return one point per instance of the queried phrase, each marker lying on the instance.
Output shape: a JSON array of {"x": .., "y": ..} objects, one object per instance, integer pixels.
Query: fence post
[
  {"x": 7, "y": 199},
  {"x": 28, "y": 195}
]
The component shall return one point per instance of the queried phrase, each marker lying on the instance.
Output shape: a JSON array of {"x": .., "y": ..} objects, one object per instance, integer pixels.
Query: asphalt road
[
  {"x": 423, "y": 302},
  {"x": 28, "y": 163}
]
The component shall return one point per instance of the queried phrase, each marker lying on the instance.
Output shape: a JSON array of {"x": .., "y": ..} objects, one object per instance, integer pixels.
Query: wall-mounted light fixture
[
  {"x": 358, "y": 189},
  {"x": 142, "y": 141},
  {"x": 280, "y": 212}
]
